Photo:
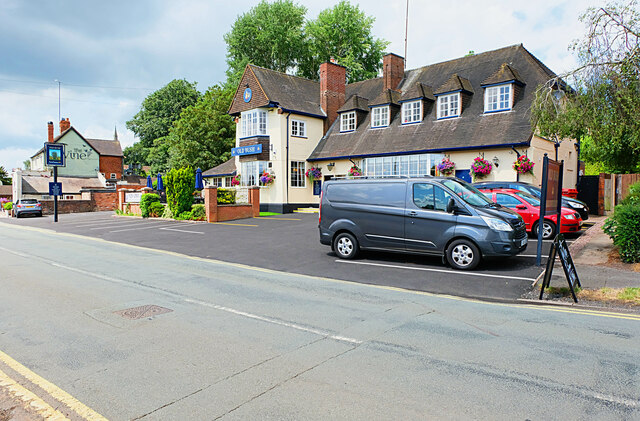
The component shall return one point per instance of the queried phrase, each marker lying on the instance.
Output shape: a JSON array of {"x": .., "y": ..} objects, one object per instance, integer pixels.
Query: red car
[{"x": 528, "y": 207}]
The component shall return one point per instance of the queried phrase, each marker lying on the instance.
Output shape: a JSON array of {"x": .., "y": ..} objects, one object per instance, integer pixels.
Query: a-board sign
[
  {"x": 55, "y": 189},
  {"x": 559, "y": 248},
  {"x": 132, "y": 197},
  {"x": 54, "y": 154}
]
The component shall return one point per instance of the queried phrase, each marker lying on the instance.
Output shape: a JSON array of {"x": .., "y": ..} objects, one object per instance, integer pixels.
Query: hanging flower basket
[
  {"x": 235, "y": 181},
  {"x": 267, "y": 179},
  {"x": 355, "y": 171},
  {"x": 481, "y": 167},
  {"x": 523, "y": 165},
  {"x": 314, "y": 173},
  {"x": 446, "y": 167}
]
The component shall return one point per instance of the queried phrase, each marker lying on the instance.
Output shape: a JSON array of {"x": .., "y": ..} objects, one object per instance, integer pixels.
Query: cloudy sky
[{"x": 109, "y": 55}]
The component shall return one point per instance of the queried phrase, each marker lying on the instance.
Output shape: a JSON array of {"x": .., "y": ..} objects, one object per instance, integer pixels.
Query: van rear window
[{"x": 379, "y": 194}]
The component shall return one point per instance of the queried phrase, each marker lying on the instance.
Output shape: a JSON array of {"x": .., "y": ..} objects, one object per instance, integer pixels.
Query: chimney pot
[{"x": 64, "y": 125}]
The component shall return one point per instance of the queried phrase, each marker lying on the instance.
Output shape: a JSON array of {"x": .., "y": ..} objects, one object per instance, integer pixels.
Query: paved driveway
[{"x": 290, "y": 243}]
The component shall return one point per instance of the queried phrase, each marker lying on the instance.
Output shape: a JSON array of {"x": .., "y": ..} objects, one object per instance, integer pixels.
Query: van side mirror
[{"x": 451, "y": 205}]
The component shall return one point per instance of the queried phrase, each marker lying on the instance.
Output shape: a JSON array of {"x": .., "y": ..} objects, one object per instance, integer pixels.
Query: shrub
[
  {"x": 226, "y": 197},
  {"x": 156, "y": 209},
  {"x": 8, "y": 206},
  {"x": 633, "y": 198},
  {"x": 145, "y": 202},
  {"x": 180, "y": 185},
  {"x": 198, "y": 213},
  {"x": 167, "y": 213},
  {"x": 624, "y": 228},
  {"x": 185, "y": 216}
]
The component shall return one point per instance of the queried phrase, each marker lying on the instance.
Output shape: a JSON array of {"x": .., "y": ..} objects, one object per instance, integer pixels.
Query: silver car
[{"x": 27, "y": 206}]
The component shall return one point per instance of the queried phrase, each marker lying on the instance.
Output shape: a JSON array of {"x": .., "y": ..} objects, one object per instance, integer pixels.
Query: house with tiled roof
[{"x": 401, "y": 124}]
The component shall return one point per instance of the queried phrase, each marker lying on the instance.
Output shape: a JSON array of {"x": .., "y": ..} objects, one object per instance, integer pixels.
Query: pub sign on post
[{"x": 54, "y": 154}]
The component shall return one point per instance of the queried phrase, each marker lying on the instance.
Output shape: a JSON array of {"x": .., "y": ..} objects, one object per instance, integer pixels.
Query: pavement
[{"x": 596, "y": 262}]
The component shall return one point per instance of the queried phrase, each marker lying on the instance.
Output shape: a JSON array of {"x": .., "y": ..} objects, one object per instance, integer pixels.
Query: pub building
[{"x": 401, "y": 124}]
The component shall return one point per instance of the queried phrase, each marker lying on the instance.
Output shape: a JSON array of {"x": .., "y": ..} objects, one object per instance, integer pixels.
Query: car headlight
[
  {"x": 497, "y": 224},
  {"x": 575, "y": 205},
  {"x": 569, "y": 217}
]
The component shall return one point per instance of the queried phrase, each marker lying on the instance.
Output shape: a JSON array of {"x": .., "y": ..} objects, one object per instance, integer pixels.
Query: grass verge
[
  {"x": 627, "y": 296},
  {"x": 269, "y": 213}
]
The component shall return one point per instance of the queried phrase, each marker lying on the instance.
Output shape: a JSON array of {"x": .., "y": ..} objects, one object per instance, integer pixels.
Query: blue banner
[{"x": 246, "y": 150}]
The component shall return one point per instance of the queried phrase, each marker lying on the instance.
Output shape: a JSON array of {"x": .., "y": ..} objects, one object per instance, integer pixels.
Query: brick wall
[
  {"x": 67, "y": 206},
  {"x": 111, "y": 164},
  {"x": 392, "y": 70},
  {"x": 106, "y": 200},
  {"x": 258, "y": 98}
]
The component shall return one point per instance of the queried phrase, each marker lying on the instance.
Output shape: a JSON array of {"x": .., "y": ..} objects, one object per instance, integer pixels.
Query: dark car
[
  {"x": 27, "y": 206},
  {"x": 567, "y": 202}
]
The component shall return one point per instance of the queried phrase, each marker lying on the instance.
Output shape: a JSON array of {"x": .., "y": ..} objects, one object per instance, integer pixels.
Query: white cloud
[{"x": 13, "y": 157}]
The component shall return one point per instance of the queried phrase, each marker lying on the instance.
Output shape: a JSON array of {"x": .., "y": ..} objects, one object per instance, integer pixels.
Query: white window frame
[
  {"x": 298, "y": 128},
  {"x": 380, "y": 116},
  {"x": 412, "y": 112},
  {"x": 298, "y": 179},
  {"x": 348, "y": 121},
  {"x": 250, "y": 172},
  {"x": 113, "y": 176},
  {"x": 498, "y": 98},
  {"x": 449, "y": 105},
  {"x": 253, "y": 123}
]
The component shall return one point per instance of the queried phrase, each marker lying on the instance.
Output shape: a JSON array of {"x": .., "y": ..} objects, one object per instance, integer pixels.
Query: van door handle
[{"x": 412, "y": 213}]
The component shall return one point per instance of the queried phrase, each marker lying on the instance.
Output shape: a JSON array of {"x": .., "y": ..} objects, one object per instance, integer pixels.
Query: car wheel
[
  {"x": 346, "y": 246},
  {"x": 548, "y": 230},
  {"x": 463, "y": 255}
]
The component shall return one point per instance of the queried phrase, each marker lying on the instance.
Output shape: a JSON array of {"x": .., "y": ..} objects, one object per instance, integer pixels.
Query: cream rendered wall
[
  {"x": 504, "y": 171},
  {"x": 566, "y": 152},
  {"x": 80, "y": 158},
  {"x": 299, "y": 150},
  {"x": 37, "y": 162}
]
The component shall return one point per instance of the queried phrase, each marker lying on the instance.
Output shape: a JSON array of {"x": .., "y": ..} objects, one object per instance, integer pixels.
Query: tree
[
  {"x": 160, "y": 109},
  {"x": 158, "y": 156},
  {"x": 204, "y": 134},
  {"x": 180, "y": 185},
  {"x": 4, "y": 177},
  {"x": 343, "y": 32},
  {"x": 604, "y": 106},
  {"x": 27, "y": 164},
  {"x": 136, "y": 154},
  {"x": 269, "y": 35}
]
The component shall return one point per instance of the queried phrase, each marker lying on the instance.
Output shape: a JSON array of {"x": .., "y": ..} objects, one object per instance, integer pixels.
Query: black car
[{"x": 567, "y": 202}]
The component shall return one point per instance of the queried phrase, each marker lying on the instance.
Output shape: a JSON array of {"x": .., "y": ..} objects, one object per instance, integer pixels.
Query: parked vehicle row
[{"x": 434, "y": 215}]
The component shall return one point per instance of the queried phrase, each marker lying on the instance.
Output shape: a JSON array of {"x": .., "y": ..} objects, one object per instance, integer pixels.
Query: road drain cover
[{"x": 142, "y": 311}]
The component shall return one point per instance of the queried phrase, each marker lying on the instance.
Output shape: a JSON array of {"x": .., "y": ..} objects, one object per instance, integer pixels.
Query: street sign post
[
  {"x": 54, "y": 157},
  {"x": 551, "y": 198},
  {"x": 55, "y": 189},
  {"x": 559, "y": 247}
]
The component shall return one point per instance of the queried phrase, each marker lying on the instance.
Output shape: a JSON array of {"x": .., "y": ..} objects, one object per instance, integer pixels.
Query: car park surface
[{"x": 290, "y": 243}]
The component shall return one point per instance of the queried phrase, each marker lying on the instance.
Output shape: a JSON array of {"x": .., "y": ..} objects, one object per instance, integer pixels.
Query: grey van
[{"x": 434, "y": 215}]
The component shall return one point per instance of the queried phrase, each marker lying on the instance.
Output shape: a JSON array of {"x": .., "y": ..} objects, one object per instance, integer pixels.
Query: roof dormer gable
[
  {"x": 505, "y": 74},
  {"x": 455, "y": 84},
  {"x": 418, "y": 91}
]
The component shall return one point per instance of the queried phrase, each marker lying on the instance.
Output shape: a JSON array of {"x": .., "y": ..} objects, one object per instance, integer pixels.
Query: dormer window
[
  {"x": 497, "y": 98},
  {"x": 380, "y": 116},
  {"x": 411, "y": 112},
  {"x": 253, "y": 123},
  {"x": 348, "y": 121},
  {"x": 449, "y": 106}
]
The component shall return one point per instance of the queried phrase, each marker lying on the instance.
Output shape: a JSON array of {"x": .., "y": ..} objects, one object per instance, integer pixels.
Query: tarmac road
[
  {"x": 228, "y": 341},
  {"x": 290, "y": 243}
]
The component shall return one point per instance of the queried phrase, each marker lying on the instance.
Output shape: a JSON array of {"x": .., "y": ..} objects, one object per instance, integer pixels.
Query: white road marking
[
  {"x": 456, "y": 272},
  {"x": 87, "y": 222},
  {"x": 147, "y": 226},
  {"x": 175, "y": 229},
  {"x": 128, "y": 224},
  {"x": 275, "y": 321},
  {"x": 530, "y": 255},
  {"x": 97, "y": 224}
]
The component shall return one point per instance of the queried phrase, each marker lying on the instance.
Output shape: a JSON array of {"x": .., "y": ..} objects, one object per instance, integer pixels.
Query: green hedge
[
  {"x": 145, "y": 202},
  {"x": 180, "y": 185},
  {"x": 624, "y": 228},
  {"x": 156, "y": 209},
  {"x": 226, "y": 196},
  {"x": 633, "y": 198}
]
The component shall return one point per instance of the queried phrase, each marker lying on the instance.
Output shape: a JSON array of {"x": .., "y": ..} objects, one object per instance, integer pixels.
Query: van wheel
[
  {"x": 548, "y": 230},
  {"x": 346, "y": 246},
  {"x": 463, "y": 255}
]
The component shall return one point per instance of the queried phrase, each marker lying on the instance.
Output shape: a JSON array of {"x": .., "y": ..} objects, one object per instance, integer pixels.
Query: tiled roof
[
  {"x": 417, "y": 91},
  {"x": 473, "y": 129},
  {"x": 106, "y": 147},
  {"x": 40, "y": 185},
  {"x": 453, "y": 84},
  {"x": 388, "y": 96},
  {"x": 224, "y": 169},
  {"x": 505, "y": 73},
  {"x": 355, "y": 103}
]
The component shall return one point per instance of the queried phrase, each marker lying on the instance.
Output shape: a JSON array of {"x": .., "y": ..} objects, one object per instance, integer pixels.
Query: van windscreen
[
  {"x": 467, "y": 192},
  {"x": 379, "y": 194}
]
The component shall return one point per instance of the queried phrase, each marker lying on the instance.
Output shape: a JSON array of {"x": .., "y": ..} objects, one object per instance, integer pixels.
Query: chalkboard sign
[{"x": 559, "y": 247}]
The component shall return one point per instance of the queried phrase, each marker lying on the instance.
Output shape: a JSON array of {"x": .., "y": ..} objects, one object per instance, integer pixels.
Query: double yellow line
[{"x": 37, "y": 403}]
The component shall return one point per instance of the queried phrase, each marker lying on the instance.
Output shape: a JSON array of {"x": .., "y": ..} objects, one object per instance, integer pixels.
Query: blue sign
[
  {"x": 247, "y": 95},
  {"x": 317, "y": 187},
  {"x": 54, "y": 154},
  {"x": 246, "y": 150},
  {"x": 55, "y": 189}
]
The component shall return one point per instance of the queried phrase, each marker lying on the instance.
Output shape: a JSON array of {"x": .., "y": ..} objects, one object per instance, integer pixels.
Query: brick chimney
[
  {"x": 64, "y": 125},
  {"x": 392, "y": 70},
  {"x": 50, "y": 131},
  {"x": 332, "y": 90}
]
